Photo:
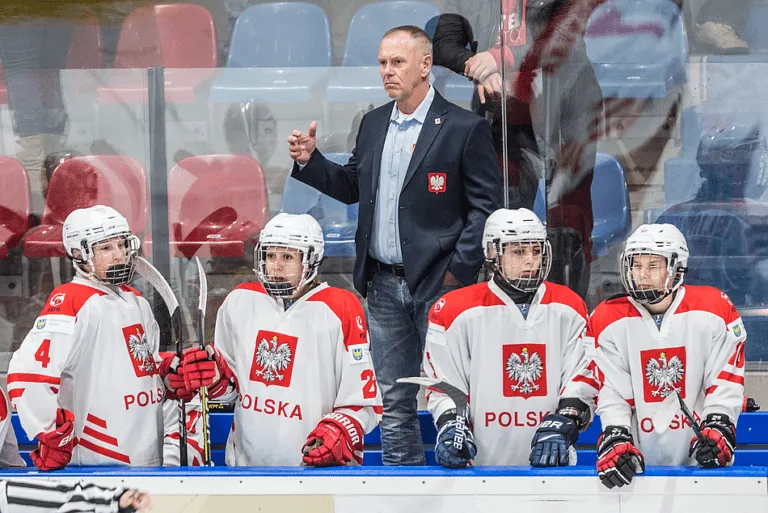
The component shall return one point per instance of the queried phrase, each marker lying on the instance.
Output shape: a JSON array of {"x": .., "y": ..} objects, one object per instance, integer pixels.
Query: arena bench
[{"x": 752, "y": 437}]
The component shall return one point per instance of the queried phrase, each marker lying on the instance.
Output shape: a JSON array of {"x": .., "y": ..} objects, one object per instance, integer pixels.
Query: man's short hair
[{"x": 416, "y": 33}]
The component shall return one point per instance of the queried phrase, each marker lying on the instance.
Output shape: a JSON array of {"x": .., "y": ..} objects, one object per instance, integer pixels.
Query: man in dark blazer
[{"x": 426, "y": 176}]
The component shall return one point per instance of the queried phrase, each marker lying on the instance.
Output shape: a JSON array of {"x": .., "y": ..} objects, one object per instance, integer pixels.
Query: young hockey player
[
  {"x": 87, "y": 379},
  {"x": 514, "y": 345},
  {"x": 660, "y": 339},
  {"x": 294, "y": 354}
]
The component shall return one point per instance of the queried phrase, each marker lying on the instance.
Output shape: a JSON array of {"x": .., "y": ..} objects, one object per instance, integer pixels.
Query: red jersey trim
[
  {"x": 446, "y": 309},
  {"x": 69, "y": 298},
  {"x": 348, "y": 310}
]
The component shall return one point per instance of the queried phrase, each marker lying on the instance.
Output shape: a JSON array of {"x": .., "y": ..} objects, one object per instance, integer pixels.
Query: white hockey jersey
[
  {"x": 293, "y": 367},
  {"x": 514, "y": 369},
  {"x": 93, "y": 351},
  {"x": 195, "y": 452},
  {"x": 698, "y": 350}
]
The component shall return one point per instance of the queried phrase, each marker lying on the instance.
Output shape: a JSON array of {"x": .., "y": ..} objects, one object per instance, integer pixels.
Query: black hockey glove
[
  {"x": 452, "y": 451},
  {"x": 618, "y": 460},
  {"x": 720, "y": 435}
]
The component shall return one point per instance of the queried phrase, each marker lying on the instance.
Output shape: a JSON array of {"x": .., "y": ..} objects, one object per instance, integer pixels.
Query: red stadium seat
[
  {"x": 14, "y": 204},
  {"x": 216, "y": 204},
  {"x": 178, "y": 36},
  {"x": 114, "y": 180}
]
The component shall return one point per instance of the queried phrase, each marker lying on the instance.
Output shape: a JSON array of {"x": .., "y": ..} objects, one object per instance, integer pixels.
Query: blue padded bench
[{"x": 752, "y": 435}]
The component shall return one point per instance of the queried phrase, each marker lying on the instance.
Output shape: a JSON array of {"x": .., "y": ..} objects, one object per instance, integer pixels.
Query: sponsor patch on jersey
[
  {"x": 737, "y": 328},
  {"x": 436, "y": 334},
  {"x": 358, "y": 354},
  {"x": 273, "y": 358},
  {"x": 55, "y": 324},
  {"x": 139, "y": 350},
  {"x": 663, "y": 372},
  {"x": 57, "y": 299},
  {"x": 525, "y": 370}
]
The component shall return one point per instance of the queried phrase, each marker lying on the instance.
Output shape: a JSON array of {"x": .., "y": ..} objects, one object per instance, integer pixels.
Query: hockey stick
[
  {"x": 158, "y": 282},
  {"x": 458, "y": 397},
  {"x": 689, "y": 416},
  {"x": 665, "y": 413},
  {"x": 201, "y": 337}
]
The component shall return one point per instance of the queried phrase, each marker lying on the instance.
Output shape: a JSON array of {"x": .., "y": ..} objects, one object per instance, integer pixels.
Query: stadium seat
[
  {"x": 358, "y": 79},
  {"x": 339, "y": 221},
  {"x": 114, "y": 180},
  {"x": 216, "y": 203},
  {"x": 610, "y": 204},
  {"x": 728, "y": 242},
  {"x": 180, "y": 37},
  {"x": 292, "y": 40},
  {"x": 637, "y": 48},
  {"x": 14, "y": 204}
]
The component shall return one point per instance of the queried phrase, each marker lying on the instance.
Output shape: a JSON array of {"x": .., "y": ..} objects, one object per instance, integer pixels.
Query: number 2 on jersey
[
  {"x": 42, "y": 353},
  {"x": 369, "y": 387}
]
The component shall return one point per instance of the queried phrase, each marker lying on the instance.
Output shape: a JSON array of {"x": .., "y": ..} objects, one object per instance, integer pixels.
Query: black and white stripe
[{"x": 38, "y": 496}]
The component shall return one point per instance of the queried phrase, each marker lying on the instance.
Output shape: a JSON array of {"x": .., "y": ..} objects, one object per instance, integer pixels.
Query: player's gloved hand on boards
[
  {"x": 452, "y": 451},
  {"x": 206, "y": 368},
  {"x": 552, "y": 445},
  {"x": 173, "y": 380},
  {"x": 618, "y": 460},
  {"x": 337, "y": 440},
  {"x": 720, "y": 435},
  {"x": 54, "y": 448}
]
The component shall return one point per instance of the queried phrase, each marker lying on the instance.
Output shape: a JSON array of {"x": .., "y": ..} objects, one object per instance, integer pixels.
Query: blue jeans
[{"x": 398, "y": 327}]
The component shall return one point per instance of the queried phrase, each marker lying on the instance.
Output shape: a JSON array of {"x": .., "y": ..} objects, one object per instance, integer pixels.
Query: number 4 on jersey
[{"x": 42, "y": 354}]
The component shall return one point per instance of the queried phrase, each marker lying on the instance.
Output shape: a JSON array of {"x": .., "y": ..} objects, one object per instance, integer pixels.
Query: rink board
[{"x": 429, "y": 489}]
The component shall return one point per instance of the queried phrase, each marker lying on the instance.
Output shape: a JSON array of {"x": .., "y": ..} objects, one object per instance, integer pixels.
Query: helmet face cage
[
  {"x": 647, "y": 296},
  {"x": 530, "y": 283},
  {"x": 279, "y": 288},
  {"x": 117, "y": 274}
]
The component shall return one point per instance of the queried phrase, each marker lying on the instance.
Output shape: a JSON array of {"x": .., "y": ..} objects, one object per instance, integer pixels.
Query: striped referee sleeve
[{"x": 39, "y": 496}]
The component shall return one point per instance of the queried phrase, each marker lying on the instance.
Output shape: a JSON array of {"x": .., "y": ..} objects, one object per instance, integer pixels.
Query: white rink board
[{"x": 429, "y": 489}]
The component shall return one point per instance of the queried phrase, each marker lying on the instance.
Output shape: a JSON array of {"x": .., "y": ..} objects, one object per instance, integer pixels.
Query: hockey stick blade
[
  {"x": 158, "y": 282},
  {"x": 458, "y": 397},
  {"x": 203, "y": 291},
  {"x": 664, "y": 413}
]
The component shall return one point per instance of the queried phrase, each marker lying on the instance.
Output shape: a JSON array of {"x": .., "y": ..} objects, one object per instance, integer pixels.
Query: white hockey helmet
[
  {"x": 298, "y": 231},
  {"x": 86, "y": 227},
  {"x": 655, "y": 239},
  {"x": 519, "y": 226}
]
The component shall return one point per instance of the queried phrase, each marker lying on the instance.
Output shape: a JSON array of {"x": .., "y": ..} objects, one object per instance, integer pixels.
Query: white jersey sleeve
[
  {"x": 9, "y": 454},
  {"x": 616, "y": 397},
  {"x": 446, "y": 357},
  {"x": 171, "y": 413},
  {"x": 34, "y": 373},
  {"x": 724, "y": 367},
  {"x": 357, "y": 390}
]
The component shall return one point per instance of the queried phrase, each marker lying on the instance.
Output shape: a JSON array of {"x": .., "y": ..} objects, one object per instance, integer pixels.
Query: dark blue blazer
[{"x": 452, "y": 185}]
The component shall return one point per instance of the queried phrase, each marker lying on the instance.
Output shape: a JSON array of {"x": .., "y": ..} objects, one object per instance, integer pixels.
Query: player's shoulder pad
[
  {"x": 347, "y": 308},
  {"x": 449, "y": 307},
  {"x": 609, "y": 311},
  {"x": 252, "y": 286},
  {"x": 128, "y": 288},
  {"x": 62, "y": 306},
  {"x": 555, "y": 293},
  {"x": 708, "y": 299}
]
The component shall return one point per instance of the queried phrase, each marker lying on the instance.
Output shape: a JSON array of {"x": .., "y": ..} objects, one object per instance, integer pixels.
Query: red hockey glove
[
  {"x": 337, "y": 440},
  {"x": 720, "y": 435},
  {"x": 206, "y": 368},
  {"x": 618, "y": 460},
  {"x": 54, "y": 448},
  {"x": 174, "y": 382}
]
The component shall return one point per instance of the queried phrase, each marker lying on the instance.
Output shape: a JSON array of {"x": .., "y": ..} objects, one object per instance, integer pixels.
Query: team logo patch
[
  {"x": 139, "y": 350},
  {"x": 57, "y": 299},
  {"x": 359, "y": 321},
  {"x": 525, "y": 370},
  {"x": 439, "y": 305},
  {"x": 437, "y": 182},
  {"x": 737, "y": 330},
  {"x": 40, "y": 324},
  {"x": 664, "y": 372},
  {"x": 273, "y": 358}
]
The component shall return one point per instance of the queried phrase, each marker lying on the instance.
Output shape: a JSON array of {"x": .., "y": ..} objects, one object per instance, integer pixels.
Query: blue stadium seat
[
  {"x": 610, "y": 204},
  {"x": 339, "y": 221},
  {"x": 292, "y": 40},
  {"x": 358, "y": 79},
  {"x": 637, "y": 48},
  {"x": 727, "y": 242}
]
